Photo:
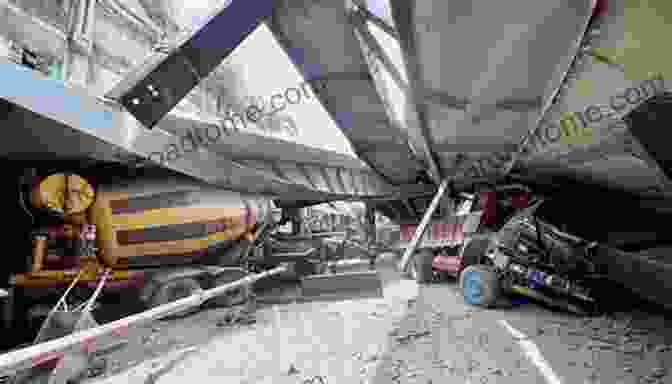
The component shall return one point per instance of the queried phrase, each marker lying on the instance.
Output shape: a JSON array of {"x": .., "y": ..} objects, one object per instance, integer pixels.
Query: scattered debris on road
[
  {"x": 413, "y": 335},
  {"x": 97, "y": 367},
  {"x": 315, "y": 380},
  {"x": 292, "y": 370},
  {"x": 169, "y": 365},
  {"x": 242, "y": 316}
]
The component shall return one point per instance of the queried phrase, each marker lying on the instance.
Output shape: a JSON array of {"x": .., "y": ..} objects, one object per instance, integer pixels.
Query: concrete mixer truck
[{"x": 160, "y": 239}]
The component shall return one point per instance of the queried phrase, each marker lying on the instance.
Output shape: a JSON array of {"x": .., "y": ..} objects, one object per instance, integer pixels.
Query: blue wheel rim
[{"x": 471, "y": 288}]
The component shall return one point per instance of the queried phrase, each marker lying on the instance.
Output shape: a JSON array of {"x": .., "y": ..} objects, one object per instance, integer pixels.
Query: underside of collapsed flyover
[
  {"x": 563, "y": 96},
  {"x": 566, "y": 97},
  {"x": 421, "y": 97}
]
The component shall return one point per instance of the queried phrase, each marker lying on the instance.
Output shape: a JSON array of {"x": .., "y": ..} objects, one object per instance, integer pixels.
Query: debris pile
[
  {"x": 240, "y": 316},
  {"x": 411, "y": 336},
  {"x": 620, "y": 333}
]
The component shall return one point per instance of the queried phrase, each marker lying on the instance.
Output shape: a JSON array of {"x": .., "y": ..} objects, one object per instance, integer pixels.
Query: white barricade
[{"x": 26, "y": 358}]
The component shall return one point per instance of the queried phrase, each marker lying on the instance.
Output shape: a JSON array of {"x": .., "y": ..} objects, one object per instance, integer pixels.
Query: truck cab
[{"x": 457, "y": 238}]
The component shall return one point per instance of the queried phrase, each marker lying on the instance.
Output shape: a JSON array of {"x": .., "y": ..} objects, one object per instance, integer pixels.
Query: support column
[{"x": 420, "y": 231}]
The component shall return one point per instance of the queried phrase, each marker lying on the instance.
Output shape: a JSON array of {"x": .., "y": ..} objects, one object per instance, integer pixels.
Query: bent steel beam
[
  {"x": 420, "y": 231},
  {"x": 403, "y": 15},
  {"x": 168, "y": 75},
  {"x": 72, "y": 124},
  {"x": 330, "y": 72}
]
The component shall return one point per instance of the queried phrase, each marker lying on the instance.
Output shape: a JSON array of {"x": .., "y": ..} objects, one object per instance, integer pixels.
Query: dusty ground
[{"x": 411, "y": 335}]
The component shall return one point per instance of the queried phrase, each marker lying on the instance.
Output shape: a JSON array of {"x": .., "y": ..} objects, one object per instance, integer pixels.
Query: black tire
[
  {"x": 480, "y": 285},
  {"x": 473, "y": 252},
  {"x": 421, "y": 266},
  {"x": 174, "y": 290}
]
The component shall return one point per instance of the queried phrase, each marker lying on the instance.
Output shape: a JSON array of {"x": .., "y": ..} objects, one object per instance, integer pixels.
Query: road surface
[{"x": 414, "y": 334}]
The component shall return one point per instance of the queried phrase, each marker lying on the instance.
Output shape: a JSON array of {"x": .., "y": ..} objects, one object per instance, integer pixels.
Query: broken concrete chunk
[
  {"x": 650, "y": 379},
  {"x": 221, "y": 323},
  {"x": 292, "y": 370},
  {"x": 372, "y": 358},
  {"x": 593, "y": 377},
  {"x": 97, "y": 367},
  {"x": 596, "y": 344},
  {"x": 146, "y": 339},
  {"x": 412, "y": 336},
  {"x": 659, "y": 372},
  {"x": 632, "y": 348}
]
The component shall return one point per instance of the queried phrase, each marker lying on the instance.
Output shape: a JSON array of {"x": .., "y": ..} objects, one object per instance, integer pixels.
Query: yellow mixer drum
[
  {"x": 68, "y": 194},
  {"x": 169, "y": 222}
]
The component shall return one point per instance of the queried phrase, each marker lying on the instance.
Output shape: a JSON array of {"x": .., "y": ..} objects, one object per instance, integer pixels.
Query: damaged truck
[{"x": 497, "y": 245}]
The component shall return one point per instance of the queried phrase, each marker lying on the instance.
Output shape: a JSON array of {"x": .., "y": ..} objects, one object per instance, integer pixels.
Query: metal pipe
[
  {"x": 420, "y": 231},
  {"x": 31, "y": 356}
]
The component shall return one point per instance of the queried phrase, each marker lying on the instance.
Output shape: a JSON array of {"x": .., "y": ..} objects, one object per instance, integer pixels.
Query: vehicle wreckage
[{"x": 515, "y": 251}]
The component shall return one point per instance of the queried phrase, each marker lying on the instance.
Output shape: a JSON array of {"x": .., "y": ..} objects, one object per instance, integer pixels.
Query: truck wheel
[
  {"x": 174, "y": 290},
  {"x": 474, "y": 251},
  {"x": 480, "y": 285},
  {"x": 421, "y": 266}
]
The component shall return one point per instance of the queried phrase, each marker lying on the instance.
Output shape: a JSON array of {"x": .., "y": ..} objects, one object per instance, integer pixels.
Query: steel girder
[
  {"x": 50, "y": 121},
  {"x": 344, "y": 87}
]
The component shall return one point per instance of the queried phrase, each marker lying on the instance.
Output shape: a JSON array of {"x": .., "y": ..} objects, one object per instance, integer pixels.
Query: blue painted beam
[{"x": 167, "y": 77}]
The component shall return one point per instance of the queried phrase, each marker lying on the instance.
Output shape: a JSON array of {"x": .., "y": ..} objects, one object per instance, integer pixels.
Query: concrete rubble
[{"x": 433, "y": 337}]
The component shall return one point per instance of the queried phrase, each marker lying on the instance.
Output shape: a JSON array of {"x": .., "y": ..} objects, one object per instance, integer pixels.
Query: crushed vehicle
[
  {"x": 497, "y": 246},
  {"x": 531, "y": 257}
]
